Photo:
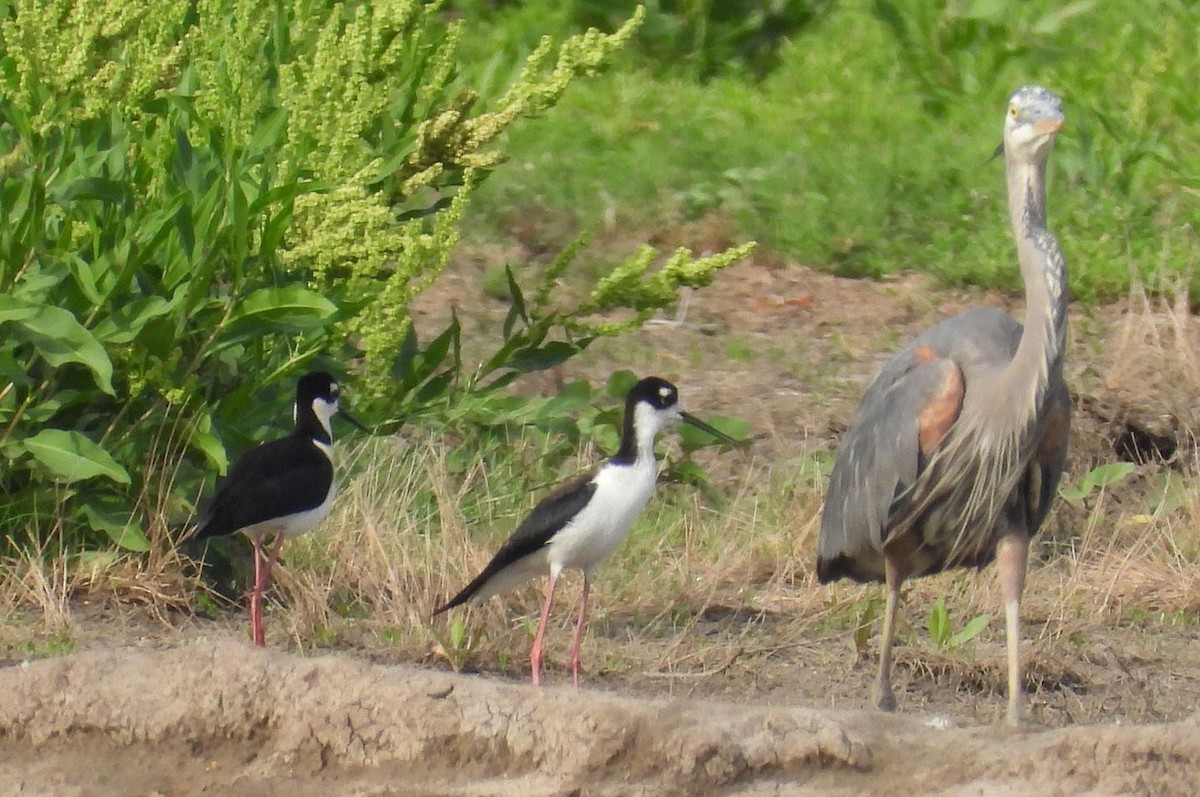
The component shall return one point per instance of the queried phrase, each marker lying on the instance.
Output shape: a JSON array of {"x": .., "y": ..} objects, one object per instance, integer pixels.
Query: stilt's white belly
[
  {"x": 622, "y": 492},
  {"x": 297, "y": 523}
]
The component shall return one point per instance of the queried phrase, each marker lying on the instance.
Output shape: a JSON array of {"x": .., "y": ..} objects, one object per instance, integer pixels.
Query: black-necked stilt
[
  {"x": 583, "y": 521},
  {"x": 283, "y": 487}
]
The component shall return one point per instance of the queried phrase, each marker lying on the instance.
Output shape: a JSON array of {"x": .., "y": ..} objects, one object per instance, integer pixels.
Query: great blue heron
[{"x": 956, "y": 450}]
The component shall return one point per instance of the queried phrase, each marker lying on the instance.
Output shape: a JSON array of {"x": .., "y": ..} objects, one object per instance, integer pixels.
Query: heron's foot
[
  {"x": 1016, "y": 714},
  {"x": 881, "y": 695}
]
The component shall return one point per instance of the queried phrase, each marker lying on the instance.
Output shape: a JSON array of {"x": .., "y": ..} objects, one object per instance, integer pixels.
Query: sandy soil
[
  {"x": 186, "y": 707},
  {"x": 217, "y": 717}
]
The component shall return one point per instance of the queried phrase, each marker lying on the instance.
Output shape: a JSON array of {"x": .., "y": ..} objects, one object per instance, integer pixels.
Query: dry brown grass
[{"x": 702, "y": 594}]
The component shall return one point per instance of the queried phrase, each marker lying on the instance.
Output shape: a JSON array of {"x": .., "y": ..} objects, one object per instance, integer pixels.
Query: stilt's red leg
[
  {"x": 256, "y": 595},
  {"x": 535, "y": 655},
  {"x": 262, "y": 577},
  {"x": 583, "y": 602}
]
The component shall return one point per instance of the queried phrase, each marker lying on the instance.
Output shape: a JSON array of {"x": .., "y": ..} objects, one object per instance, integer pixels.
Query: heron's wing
[
  {"x": 267, "y": 482},
  {"x": 550, "y": 515},
  {"x": 904, "y": 415}
]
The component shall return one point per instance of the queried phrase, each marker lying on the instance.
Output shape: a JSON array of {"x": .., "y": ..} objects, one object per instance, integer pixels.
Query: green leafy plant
[
  {"x": 185, "y": 223},
  {"x": 457, "y": 645},
  {"x": 942, "y": 632},
  {"x": 1098, "y": 478},
  {"x": 865, "y": 613}
]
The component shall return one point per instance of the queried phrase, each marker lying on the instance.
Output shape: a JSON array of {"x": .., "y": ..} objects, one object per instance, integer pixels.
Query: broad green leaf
[
  {"x": 971, "y": 630},
  {"x": 44, "y": 410},
  {"x": 1109, "y": 474},
  {"x": 14, "y": 309},
  {"x": 939, "y": 623},
  {"x": 693, "y": 437},
  {"x": 419, "y": 213},
  {"x": 688, "y": 472},
  {"x": 620, "y": 383},
  {"x": 517, "y": 307},
  {"x": 125, "y": 532},
  {"x": 606, "y": 438},
  {"x": 434, "y": 355},
  {"x": 286, "y": 193},
  {"x": 72, "y": 457},
  {"x": 85, "y": 274},
  {"x": 60, "y": 339},
  {"x": 268, "y": 132},
  {"x": 553, "y": 353},
  {"x": 209, "y": 444},
  {"x": 124, "y": 323},
  {"x": 187, "y": 232},
  {"x": 99, "y": 188},
  {"x": 1170, "y": 493},
  {"x": 572, "y": 397},
  {"x": 290, "y": 305}
]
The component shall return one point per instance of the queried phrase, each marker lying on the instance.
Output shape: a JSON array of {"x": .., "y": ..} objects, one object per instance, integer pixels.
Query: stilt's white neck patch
[
  {"x": 325, "y": 410},
  {"x": 648, "y": 422}
]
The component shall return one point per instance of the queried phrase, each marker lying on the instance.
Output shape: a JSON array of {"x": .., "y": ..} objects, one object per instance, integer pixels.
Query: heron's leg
[
  {"x": 894, "y": 572},
  {"x": 1012, "y": 554},
  {"x": 583, "y": 602},
  {"x": 535, "y": 655}
]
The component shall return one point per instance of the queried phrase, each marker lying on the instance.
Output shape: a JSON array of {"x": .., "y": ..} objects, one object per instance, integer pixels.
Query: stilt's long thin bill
[{"x": 692, "y": 420}]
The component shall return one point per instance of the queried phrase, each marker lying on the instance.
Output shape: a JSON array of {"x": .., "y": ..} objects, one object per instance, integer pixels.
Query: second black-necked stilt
[
  {"x": 583, "y": 521},
  {"x": 283, "y": 487}
]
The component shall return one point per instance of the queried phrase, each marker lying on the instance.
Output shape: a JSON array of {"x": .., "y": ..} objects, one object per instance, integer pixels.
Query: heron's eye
[{"x": 1014, "y": 111}]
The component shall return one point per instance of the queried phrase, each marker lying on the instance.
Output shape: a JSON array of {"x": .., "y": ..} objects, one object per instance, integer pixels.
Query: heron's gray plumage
[
  {"x": 879, "y": 462},
  {"x": 959, "y": 443}
]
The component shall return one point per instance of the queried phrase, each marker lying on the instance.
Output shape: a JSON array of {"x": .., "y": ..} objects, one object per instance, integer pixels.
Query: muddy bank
[{"x": 221, "y": 718}]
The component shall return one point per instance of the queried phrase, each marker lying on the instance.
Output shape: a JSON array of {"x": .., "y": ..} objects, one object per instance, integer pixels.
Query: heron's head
[{"x": 1034, "y": 118}]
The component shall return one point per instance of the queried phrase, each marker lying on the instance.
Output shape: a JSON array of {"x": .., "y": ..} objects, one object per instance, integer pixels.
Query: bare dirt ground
[
  {"x": 215, "y": 717},
  {"x": 164, "y": 704}
]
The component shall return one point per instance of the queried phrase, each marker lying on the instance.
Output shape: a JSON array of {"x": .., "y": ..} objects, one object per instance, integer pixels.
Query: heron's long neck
[{"x": 1039, "y": 354}]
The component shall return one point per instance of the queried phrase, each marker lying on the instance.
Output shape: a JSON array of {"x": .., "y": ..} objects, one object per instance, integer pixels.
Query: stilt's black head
[
  {"x": 651, "y": 405},
  {"x": 658, "y": 393},
  {"x": 317, "y": 385},
  {"x": 317, "y": 395}
]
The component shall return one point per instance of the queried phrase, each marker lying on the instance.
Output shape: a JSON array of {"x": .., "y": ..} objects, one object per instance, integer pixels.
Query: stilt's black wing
[
  {"x": 547, "y": 518},
  {"x": 272, "y": 480}
]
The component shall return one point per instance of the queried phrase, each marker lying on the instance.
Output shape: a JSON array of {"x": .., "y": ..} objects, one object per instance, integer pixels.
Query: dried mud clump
[{"x": 222, "y": 718}]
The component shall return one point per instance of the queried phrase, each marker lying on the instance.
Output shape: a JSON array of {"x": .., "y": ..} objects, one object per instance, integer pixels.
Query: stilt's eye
[{"x": 665, "y": 392}]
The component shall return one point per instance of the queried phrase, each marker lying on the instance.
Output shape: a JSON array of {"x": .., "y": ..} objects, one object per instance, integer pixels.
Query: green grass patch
[{"x": 865, "y": 156}]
